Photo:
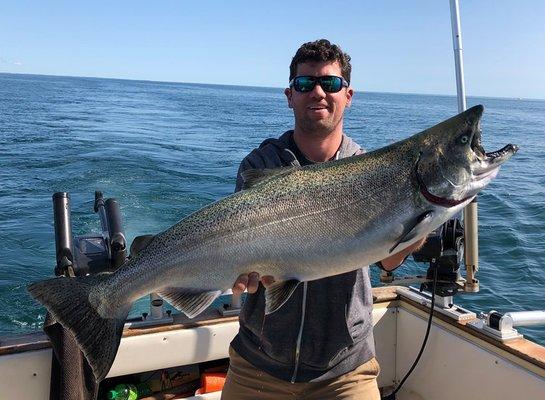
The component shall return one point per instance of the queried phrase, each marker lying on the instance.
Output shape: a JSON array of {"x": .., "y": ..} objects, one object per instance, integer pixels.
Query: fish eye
[{"x": 464, "y": 139}]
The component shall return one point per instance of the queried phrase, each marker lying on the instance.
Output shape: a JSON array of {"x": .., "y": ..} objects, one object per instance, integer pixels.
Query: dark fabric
[
  {"x": 298, "y": 154},
  {"x": 71, "y": 376},
  {"x": 337, "y": 329},
  {"x": 274, "y": 153}
]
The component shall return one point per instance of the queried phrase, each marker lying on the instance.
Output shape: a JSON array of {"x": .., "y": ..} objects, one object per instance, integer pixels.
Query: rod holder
[
  {"x": 233, "y": 308},
  {"x": 156, "y": 316},
  {"x": 156, "y": 306},
  {"x": 63, "y": 234},
  {"x": 509, "y": 320},
  {"x": 502, "y": 326},
  {"x": 118, "y": 243},
  {"x": 471, "y": 249}
]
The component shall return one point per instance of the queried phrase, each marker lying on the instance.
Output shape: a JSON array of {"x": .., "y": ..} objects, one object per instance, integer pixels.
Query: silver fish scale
[{"x": 331, "y": 202}]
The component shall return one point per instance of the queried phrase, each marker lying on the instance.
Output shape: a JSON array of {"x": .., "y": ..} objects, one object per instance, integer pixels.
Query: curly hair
[{"x": 318, "y": 51}]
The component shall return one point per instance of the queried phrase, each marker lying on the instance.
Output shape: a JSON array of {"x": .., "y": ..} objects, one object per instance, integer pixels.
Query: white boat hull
[{"x": 457, "y": 363}]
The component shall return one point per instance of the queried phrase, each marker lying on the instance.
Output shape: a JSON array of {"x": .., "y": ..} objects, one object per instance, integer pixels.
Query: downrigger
[
  {"x": 444, "y": 253},
  {"x": 88, "y": 254},
  {"x": 100, "y": 253}
]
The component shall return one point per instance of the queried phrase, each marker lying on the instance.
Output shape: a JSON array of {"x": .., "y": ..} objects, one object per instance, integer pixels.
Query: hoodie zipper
[
  {"x": 300, "y": 336},
  {"x": 303, "y": 309}
]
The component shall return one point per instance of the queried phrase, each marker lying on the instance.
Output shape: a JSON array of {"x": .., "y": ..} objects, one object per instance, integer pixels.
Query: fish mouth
[
  {"x": 486, "y": 166},
  {"x": 489, "y": 163}
]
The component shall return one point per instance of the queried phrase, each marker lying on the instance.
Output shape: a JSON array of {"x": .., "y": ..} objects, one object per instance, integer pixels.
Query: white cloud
[{"x": 6, "y": 61}]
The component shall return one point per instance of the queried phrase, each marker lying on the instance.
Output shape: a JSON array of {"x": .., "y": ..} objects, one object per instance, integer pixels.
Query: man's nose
[{"x": 317, "y": 92}]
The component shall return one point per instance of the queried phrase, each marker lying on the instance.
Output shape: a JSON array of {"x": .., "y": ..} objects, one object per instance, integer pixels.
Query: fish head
[{"x": 453, "y": 166}]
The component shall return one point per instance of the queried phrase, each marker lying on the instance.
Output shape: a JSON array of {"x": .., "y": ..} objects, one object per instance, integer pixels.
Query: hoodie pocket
[
  {"x": 359, "y": 311},
  {"x": 326, "y": 334}
]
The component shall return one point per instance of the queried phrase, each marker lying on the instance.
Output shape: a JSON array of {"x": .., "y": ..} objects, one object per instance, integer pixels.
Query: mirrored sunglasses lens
[
  {"x": 331, "y": 84},
  {"x": 304, "y": 84}
]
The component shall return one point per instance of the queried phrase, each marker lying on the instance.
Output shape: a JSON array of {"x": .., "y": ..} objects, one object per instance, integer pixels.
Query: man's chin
[{"x": 319, "y": 127}]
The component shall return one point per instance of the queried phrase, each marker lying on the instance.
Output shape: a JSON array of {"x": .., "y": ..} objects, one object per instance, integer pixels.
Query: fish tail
[{"x": 69, "y": 302}]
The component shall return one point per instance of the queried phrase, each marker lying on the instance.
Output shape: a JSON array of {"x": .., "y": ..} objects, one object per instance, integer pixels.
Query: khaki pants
[{"x": 245, "y": 382}]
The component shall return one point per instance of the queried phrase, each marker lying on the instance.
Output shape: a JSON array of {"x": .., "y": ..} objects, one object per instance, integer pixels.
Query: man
[{"x": 319, "y": 345}]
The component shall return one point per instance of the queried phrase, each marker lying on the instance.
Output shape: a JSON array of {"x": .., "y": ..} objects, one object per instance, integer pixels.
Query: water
[{"x": 166, "y": 149}]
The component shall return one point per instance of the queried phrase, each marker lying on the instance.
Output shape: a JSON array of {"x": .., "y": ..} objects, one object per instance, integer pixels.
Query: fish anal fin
[
  {"x": 191, "y": 302},
  {"x": 253, "y": 177},
  {"x": 420, "y": 227},
  {"x": 278, "y": 293}
]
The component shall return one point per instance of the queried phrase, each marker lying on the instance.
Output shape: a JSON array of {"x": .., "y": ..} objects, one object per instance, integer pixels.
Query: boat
[
  {"x": 451, "y": 352},
  {"x": 460, "y": 360}
]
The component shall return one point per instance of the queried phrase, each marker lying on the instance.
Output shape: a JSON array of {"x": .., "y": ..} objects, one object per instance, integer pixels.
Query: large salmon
[{"x": 295, "y": 223}]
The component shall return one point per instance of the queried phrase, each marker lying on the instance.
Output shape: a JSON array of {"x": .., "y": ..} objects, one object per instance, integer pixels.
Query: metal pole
[
  {"x": 471, "y": 233},
  {"x": 522, "y": 318},
  {"x": 458, "y": 58}
]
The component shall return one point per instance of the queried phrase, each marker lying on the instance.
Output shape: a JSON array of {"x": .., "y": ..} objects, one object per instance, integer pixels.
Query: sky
[{"x": 397, "y": 46}]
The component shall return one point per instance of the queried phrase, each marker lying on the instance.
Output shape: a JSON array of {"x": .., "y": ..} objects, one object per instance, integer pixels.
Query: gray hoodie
[{"x": 325, "y": 328}]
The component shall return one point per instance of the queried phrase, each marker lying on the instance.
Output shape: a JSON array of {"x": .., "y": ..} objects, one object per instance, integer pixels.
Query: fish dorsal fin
[
  {"x": 252, "y": 177},
  {"x": 278, "y": 293},
  {"x": 191, "y": 302},
  {"x": 420, "y": 227}
]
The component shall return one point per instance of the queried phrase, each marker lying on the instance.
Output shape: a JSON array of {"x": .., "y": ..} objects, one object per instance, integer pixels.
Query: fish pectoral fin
[
  {"x": 252, "y": 177},
  {"x": 421, "y": 225},
  {"x": 191, "y": 302},
  {"x": 278, "y": 293}
]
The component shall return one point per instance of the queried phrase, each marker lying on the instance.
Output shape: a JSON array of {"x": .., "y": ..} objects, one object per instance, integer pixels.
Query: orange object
[{"x": 211, "y": 382}]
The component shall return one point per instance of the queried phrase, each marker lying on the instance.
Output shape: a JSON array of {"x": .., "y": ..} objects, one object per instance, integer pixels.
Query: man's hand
[
  {"x": 250, "y": 282},
  {"x": 392, "y": 262}
]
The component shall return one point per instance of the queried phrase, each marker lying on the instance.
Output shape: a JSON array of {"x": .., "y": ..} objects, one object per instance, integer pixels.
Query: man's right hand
[{"x": 250, "y": 282}]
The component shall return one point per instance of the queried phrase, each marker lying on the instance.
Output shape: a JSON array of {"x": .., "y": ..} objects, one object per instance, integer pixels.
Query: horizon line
[{"x": 270, "y": 87}]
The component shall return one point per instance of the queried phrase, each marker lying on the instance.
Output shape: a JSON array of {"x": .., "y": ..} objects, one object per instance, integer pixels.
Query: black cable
[{"x": 392, "y": 395}]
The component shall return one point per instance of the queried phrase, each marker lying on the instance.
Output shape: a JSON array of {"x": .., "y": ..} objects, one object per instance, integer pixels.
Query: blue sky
[{"x": 396, "y": 46}]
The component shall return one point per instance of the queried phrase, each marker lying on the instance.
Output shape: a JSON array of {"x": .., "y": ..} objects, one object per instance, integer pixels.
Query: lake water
[{"x": 167, "y": 149}]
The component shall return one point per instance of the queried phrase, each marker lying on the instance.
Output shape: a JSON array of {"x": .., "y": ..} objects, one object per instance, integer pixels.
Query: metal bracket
[
  {"x": 233, "y": 308},
  {"x": 229, "y": 311},
  {"x": 444, "y": 305},
  {"x": 506, "y": 335},
  {"x": 156, "y": 316},
  {"x": 146, "y": 321},
  {"x": 389, "y": 279}
]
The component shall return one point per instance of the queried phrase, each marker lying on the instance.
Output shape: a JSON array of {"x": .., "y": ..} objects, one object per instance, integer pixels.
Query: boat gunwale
[
  {"x": 522, "y": 349},
  {"x": 388, "y": 296}
]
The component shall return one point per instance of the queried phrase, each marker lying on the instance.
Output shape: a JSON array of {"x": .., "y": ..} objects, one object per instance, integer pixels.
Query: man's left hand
[{"x": 392, "y": 262}]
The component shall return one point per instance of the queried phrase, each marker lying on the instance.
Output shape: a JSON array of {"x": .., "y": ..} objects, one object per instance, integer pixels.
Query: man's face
[{"x": 318, "y": 112}]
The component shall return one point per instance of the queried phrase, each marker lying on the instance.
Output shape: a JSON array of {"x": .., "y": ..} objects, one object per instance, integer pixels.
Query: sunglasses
[{"x": 329, "y": 83}]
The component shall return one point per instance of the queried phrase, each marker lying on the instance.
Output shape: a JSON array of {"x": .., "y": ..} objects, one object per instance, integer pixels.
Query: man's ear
[
  {"x": 349, "y": 94},
  {"x": 287, "y": 92}
]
